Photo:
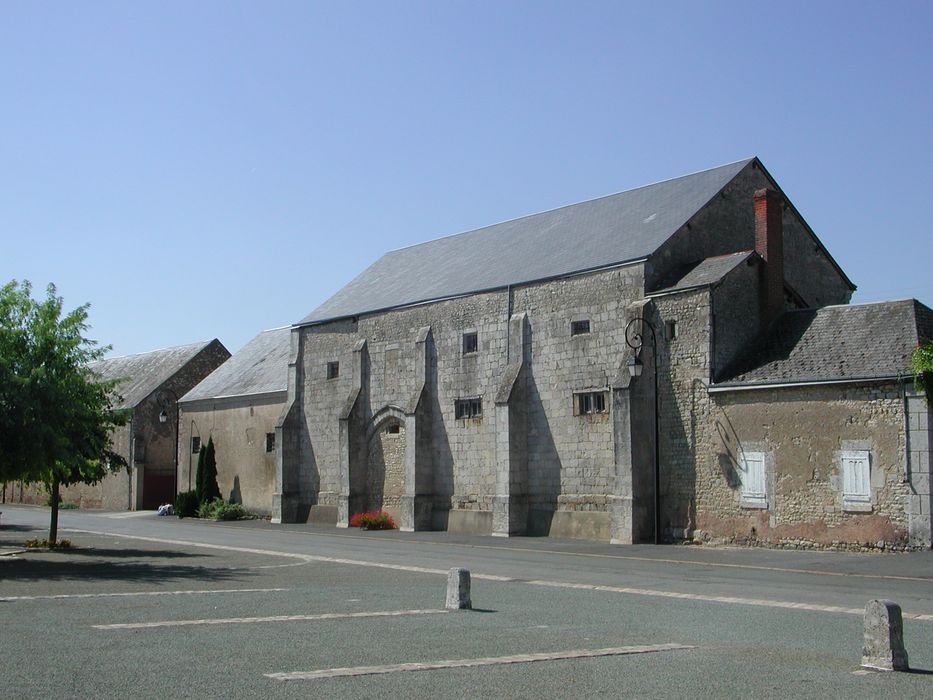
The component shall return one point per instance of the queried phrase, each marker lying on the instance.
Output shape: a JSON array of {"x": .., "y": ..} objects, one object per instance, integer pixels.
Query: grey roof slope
[
  {"x": 861, "y": 341},
  {"x": 707, "y": 272},
  {"x": 601, "y": 232},
  {"x": 144, "y": 373},
  {"x": 260, "y": 367}
]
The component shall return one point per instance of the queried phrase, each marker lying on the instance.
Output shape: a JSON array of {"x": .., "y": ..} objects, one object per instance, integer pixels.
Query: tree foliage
[
  {"x": 56, "y": 415},
  {"x": 207, "y": 474},
  {"x": 921, "y": 361}
]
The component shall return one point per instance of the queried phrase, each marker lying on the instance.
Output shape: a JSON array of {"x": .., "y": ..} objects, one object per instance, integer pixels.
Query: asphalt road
[{"x": 331, "y": 599}]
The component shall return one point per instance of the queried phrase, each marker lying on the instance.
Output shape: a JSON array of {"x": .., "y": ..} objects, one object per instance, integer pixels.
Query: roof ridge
[
  {"x": 744, "y": 161},
  {"x": 165, "y": 349}
]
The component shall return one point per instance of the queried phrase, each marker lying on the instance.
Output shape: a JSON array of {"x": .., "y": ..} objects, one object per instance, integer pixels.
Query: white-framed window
[
  {"x": 754, "y": 484},
  {"x": 856, "y": 478}
]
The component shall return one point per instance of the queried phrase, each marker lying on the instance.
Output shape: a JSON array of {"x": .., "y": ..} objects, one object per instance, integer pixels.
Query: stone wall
[
  {"x": 238, "y": 426},
  {"x": 801, "y": 430},
  {"x": 569, "y": 457},
  {"x": 804, "y": 430},
  {"x": 682, "y": 403}
]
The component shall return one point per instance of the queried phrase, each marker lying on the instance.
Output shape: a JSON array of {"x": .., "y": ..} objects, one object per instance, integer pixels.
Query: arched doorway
[{"x": 386, "y": 467}]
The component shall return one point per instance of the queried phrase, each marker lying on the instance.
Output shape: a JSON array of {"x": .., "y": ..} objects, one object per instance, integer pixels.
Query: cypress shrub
[
  {"x": 209, "y": 488},
  {"x": 199, "y": 476}
]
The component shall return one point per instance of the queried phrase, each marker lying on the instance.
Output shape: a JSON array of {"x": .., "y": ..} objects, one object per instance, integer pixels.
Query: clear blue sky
[{"x": 212, "y": 169}]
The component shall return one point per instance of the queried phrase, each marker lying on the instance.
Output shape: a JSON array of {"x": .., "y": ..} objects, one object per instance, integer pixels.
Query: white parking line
[
  {"x": 758, "y": 602},
  {"x": 64, "y": 596},
  {"x": 472, "y": 663},
  {"x": 271, "y": 618}
]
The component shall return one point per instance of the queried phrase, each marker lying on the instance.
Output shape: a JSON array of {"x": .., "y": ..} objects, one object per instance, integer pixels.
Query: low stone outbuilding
[
  {"x": 150, "y": 385},
  {"x": 818, "y": 434},
  {"x": 238, "y": 406}
]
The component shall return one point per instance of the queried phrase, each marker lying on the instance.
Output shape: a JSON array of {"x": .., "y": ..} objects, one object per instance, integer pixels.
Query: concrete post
[
  {"x": 458, "y": 589},
  {"x": 884, "y": 637}
]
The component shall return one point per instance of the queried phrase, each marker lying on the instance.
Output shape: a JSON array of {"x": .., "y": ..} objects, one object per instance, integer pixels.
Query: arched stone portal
[{"x": 385, "y": 482}]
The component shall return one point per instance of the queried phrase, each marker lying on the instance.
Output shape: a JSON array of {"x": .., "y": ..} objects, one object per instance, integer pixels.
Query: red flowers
[{"x": 373, "y": 520}]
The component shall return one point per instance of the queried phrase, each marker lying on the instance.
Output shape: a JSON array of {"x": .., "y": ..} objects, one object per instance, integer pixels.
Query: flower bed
[{"x": 373, "y": 520}]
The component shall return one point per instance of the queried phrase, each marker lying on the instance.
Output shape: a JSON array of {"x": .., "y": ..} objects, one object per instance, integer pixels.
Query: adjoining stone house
[
  {"x": 483, "y": 382},
  {"x": 238, "y": 405},
  {"x": 150, "y": 385}
]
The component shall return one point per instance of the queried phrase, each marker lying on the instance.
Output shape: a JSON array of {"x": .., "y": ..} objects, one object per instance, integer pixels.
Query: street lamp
[{"x": 635, "y": 340}]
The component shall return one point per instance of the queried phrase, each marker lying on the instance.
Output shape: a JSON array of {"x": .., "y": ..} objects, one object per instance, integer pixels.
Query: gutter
[
  {"x": 723, "y": 388},
  {"x": 273, "y": 396},
  {"x": 435, "y": 300}
]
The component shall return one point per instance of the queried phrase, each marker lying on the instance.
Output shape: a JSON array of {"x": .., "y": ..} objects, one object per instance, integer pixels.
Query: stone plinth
[{"x": 884, "y": 637}]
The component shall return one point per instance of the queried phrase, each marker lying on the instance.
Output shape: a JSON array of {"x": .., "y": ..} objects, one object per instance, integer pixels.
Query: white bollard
[
  {"x": 884, "y": 637},
  {"x": 458, "y": 589}
]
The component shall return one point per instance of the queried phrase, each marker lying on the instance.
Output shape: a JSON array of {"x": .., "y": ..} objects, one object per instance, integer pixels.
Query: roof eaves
[
  {"x": 435, "y": 300},
  {"x": 785, "y": 384},
  {"x": 230, "y": 397}
]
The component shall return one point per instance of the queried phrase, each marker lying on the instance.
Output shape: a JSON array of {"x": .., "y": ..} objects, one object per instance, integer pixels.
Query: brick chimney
[{"x": 769, "y": 244}]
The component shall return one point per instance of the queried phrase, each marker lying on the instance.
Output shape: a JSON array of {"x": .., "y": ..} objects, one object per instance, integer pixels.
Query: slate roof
[
  {"x": 708, "y": 272},
  {"x": 260, "y": 367},
  {"x": 144, "y": 373},
  {"x": 833, "y": 343},
  {"x": 598, "y": 233}
]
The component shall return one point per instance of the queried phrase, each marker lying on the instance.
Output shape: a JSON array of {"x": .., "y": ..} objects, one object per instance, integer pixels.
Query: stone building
[
  {"x": 489, "y": 381},
  {"x": 238, "y": 405},
  {"x": 149, "y": 388}
]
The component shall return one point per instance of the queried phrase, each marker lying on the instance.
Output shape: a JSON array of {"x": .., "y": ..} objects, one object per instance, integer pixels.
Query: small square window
[
  {"x": 195, "y": 445},
  {"x": 579, "y": 327},
  {"x": 590, "y": 402},
  {"x": 470, "y": 343},
  {"x": 333, "y": 370},
  {"x": 468, "y": 408},
  {"x": 393, "y": 429},
  {"x": 270, "y": 442},
  {"x": 670, "y": 329},
  {"x": 754, "y": 490}
]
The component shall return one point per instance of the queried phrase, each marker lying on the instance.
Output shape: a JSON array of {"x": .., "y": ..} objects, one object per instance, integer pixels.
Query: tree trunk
[{"x": 53, "y": 525}]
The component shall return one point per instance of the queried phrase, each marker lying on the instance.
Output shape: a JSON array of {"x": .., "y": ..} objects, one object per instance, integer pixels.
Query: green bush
[
  {"x": 216, "y": 509},
  {"x": 921, "y": 361},
  {"x": 232, "y": 511},
  {"x": 186, "y": 504},
  {"x": 208, "y": 509}
]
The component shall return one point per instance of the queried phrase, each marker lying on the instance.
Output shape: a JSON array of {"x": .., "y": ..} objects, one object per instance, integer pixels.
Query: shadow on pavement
[
  {"x": 127, "y": 553},
  {"x": 26, "y": 568}
]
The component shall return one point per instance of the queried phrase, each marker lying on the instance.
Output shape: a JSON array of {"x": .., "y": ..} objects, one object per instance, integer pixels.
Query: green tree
[
  {"x": 56, "y": 415},
  {"x": 921, "y": 362},
  {"x": 207, "y": 474}
]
